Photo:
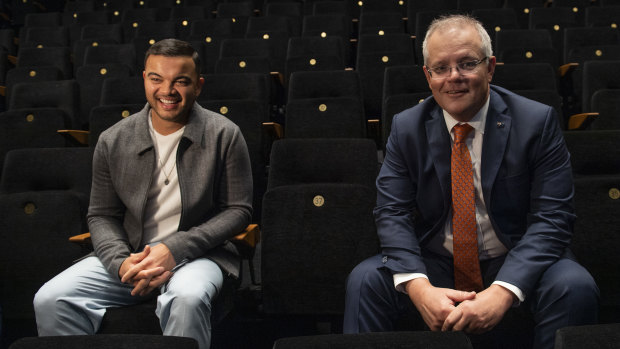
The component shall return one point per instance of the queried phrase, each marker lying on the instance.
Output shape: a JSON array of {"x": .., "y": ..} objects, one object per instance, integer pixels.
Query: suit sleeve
[
  {"x": 394, "y": 213},
  {"x": 551, "y": 215}
]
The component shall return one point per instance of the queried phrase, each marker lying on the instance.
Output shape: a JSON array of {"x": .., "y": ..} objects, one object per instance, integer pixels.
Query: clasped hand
[
  {"x": 451, "y": 310},
  {"x": 148, "y": 269}
]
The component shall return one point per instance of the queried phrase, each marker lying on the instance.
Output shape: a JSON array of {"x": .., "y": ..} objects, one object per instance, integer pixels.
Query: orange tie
[{"x": 467, "y": 276}]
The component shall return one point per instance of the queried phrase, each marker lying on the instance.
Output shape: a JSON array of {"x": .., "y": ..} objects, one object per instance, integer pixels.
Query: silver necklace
[
  {"x": 161, "y": 163},
  {"x": 163, "y": 169},
  {"x": 154, "y": 134}
]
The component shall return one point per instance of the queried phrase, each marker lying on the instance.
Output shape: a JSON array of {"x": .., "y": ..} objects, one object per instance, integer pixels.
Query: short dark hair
[{"x": 173, "y": 48}]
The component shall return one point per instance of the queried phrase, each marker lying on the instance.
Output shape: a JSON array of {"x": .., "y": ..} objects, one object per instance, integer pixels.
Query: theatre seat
[
  {"x": 403, "y": 340},
  {"x": 603, "y": 336},
  {"x": 34, "y": 228},
  {"x": 317, "y": 223},
  {"x": 123, "y": 341}
]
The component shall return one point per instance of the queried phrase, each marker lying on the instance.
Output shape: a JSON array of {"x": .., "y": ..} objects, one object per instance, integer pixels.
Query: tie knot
[{"x": 460, "y": 132}]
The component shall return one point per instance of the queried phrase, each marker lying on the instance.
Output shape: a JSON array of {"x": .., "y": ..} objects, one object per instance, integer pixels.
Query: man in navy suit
[{"x": 523, "y": 193}]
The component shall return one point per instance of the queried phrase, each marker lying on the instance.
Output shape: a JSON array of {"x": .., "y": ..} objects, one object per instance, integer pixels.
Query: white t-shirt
[{"x": 162, "y": 214}]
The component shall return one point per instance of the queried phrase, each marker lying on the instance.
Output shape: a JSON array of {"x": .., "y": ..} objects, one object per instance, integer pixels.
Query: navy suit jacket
[{"x": 526, "y": 182}]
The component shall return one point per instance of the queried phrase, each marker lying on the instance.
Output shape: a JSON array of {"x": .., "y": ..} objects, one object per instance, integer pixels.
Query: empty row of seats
[
  {"x": 81, "y": 101},
  {"x": 46, "y": 29},
  {"x": 372, "y": 54},
  {"x": 226, "y": 52}
]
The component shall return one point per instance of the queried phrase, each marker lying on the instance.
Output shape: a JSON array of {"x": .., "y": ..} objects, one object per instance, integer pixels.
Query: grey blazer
[{"x": 215, "y": 179}]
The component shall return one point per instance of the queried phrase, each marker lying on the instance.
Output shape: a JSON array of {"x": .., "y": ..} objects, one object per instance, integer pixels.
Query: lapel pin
[{"x": 500, "y": 124}]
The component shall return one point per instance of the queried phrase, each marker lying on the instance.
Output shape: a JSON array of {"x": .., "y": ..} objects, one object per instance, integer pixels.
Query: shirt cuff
[
  {"x": 401, "y": 279},
  {"x": 514, "y": 289}
]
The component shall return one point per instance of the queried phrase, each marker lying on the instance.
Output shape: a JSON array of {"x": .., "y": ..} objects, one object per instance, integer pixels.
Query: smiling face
[
  {"x": 172, "y": 84},
  {"x": 461, "y": 96}
]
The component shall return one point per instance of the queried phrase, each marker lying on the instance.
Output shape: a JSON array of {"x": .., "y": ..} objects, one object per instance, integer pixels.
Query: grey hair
[{"x": 458, "y": 21}]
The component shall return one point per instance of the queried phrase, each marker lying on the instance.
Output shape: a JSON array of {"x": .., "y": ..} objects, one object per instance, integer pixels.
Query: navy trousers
[{"x": 566, "y": 295}]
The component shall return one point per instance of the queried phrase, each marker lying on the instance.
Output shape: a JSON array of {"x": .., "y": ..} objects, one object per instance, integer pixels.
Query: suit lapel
[
  {"x": 496, "y": 133},
  {"x": 439, "y": 148}
]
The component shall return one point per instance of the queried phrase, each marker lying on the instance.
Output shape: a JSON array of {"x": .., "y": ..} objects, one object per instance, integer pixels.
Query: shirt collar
[{"x": 477, "y": 122}]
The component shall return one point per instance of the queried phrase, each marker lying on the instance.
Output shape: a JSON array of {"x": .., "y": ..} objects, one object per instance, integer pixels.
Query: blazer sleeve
[
  {"x": 551, "y": 214},
  {"x": 105, "y": 215},
  {"x": 394, "y": 212}
]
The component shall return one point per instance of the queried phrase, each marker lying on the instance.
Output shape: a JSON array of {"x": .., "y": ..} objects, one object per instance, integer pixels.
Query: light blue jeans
[{"x": 74, "y": 302}]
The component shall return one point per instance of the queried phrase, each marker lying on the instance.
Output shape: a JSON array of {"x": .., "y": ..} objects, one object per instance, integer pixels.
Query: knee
[
  {"x": 45, "y": 299},
  {"x": 576, "y": 289},
  {"x": 366, "y": 276},
  {"x": 581, "y": 289},
  {"x": 195, "y": 297}
]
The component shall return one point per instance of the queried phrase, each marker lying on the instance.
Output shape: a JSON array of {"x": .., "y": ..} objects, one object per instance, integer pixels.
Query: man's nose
[
  {"x": 168, "y": 88},
  {"x": 454, "y": 74}
]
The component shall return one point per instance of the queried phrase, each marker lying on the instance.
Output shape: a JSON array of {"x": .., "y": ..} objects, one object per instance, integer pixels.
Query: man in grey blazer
[{"x": 171, "y": 185}]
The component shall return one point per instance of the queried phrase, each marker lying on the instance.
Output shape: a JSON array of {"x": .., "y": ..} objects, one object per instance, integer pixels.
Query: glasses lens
[
  {"x": 464, "y": 68},
  {"x": 442, "y": 71}
]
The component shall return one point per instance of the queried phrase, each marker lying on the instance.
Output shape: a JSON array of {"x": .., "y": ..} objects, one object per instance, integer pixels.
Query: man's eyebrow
[
  {"x": 180, "y": 77},
  {"x": 469, "y": 59},
  {"x": 466, "y": 58},
  {"x": 438, "y": 64}
]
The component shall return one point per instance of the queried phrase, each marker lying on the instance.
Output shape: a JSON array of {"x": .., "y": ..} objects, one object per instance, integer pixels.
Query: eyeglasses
[{"x": 463, "y": 68}]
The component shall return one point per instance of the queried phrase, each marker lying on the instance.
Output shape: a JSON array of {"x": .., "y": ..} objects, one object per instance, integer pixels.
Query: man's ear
[
  {"x": 428, "y": 77},
  {"x": 199, "y": 84},
  {"x": 491, "y": 67}
]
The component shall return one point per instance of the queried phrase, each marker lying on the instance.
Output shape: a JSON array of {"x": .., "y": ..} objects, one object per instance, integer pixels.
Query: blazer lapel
[
  {"x": 496, "y": 133},
  {"x": 439, "y": 148}
]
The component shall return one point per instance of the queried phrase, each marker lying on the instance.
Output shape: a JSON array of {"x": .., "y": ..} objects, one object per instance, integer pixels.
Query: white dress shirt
[{"x": 489, "y": 246}]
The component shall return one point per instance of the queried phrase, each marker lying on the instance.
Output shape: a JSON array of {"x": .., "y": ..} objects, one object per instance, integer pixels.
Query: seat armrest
[
  {"x": 581, "y": 121},
  {"x": 373, "y": 129},
  {"x": 278, "y": 78},
  {"x": 84, "y": 241},
  {"x": 80, "y": 136},
  {"x": 275, "y": 130},
  {"x": 249, "y": 237},
  {"x": 565, "y": 69},
  {"x": 81, "y": 239}
]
